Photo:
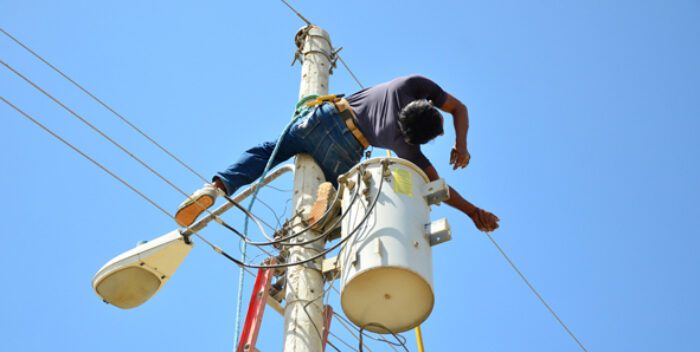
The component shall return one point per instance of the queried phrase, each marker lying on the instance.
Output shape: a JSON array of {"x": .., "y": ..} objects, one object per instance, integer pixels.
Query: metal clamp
[{"x": 438, "y": 232}]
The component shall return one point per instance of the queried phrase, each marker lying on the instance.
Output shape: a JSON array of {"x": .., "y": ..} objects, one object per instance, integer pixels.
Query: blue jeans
[{"x": 320, "y": 132}]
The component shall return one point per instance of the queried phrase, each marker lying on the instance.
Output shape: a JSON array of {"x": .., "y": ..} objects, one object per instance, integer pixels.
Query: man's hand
[
  {"x": 485, "y": 221},
  {"x": 459, "y": 157}
]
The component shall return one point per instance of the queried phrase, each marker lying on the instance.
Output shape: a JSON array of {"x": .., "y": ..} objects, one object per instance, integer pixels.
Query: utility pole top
[{"x": 315, "y": 52}]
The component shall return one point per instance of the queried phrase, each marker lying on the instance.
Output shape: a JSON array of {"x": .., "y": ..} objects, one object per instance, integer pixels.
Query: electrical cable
[
  {"x": 83, "y": 154},
  {"x": 332, "y": 345},
  {"x": 99, "y": 101},
  {"x": 304, "y": 306},
  {"x": 272, "y": 211},
  {"x": 532, "y": 288},
  {"x": 312, "y": 258},
  {"x": 338, "y": 219},
  {"x": 282, "y": 240},
  {"x": 323, "y": 295},
  {"x": 118, "y": 115},
  {"x": 343, "y": 341},
  {"x": 308, "y": 23},
  {"x": 111, "y": 173},
  {"x": 111, "y": 140},
  {"x": 277, "y": 188},
  {"x": 350, "y": 71},
  {"x": 343, "y": 321},
  {"x": 401, "y": 340},
  {"x": 350, "y": 330}
]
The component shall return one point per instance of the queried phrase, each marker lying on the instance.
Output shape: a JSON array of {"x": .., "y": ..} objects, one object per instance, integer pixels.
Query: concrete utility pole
[{"x": 303, "y": 313}]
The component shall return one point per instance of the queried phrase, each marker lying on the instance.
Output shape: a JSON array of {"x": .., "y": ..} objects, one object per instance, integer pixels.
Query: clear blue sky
[{"x": 584, "y": 138}]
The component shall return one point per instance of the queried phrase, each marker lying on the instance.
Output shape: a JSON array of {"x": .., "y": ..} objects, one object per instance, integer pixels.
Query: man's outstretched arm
[
  {"x": 483, "y": 220},
  {"x": 459, "y": 156}
]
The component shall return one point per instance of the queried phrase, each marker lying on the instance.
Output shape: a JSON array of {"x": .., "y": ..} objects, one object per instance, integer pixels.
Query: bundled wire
[
  {"x": 312, "y": 258},
  {"x": 401, "y": 341}
]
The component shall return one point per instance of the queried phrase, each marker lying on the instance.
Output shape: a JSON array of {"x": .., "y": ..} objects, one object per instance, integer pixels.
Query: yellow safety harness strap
[{"x": 324, "y": 98}]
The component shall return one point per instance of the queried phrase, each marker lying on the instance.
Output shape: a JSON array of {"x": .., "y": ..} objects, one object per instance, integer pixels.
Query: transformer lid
[{"x": 387, "y": 299}]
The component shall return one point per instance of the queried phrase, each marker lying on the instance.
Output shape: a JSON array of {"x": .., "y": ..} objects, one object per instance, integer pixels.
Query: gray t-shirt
[{"x": 377, "y": 110}]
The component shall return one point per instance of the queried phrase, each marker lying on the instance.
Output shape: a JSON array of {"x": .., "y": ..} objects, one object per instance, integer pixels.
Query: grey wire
[
  {"x": 350, "y": 71},
  {"x": 308, "y": 302},
  {"x": 532, "y": 288},
  {"x": 77, "y": 150},
  {"x": 284, "y": 210},
  {"x": 99, "y": 101},
  {"x": 343, "y": 320},
  {"x": 400, "y": 338},
  {"x": 305, "y": 304},
  {"x": 115, "y": 176},
  {"x": 352, "y": 332},
  {"x": 274, "y": 213},
  {"x": 297, "y": 13},
  {"x": 344, "y": 343},
  {"x": 120, "y": 116},
  {"x": 115, "y": 143},
  {"x": 277, "y": 188}
]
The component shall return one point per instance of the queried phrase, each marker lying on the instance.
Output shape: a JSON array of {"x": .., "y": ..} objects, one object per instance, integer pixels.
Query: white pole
[{"x": 304, "y": 305}]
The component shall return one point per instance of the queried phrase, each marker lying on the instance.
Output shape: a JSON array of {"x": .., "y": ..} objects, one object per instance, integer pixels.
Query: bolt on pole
[{"x": 303, "y": 313}]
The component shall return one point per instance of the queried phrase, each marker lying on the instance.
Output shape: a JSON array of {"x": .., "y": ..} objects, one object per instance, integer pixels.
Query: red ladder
[{"x": 256, "y": 308}]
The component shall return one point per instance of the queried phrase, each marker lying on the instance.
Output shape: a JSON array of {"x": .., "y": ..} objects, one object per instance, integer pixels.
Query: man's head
[{"x": 420, "y": 122}]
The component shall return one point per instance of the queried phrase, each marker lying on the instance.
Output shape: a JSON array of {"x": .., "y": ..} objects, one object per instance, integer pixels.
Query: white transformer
[{"x": 386, "y": 264}]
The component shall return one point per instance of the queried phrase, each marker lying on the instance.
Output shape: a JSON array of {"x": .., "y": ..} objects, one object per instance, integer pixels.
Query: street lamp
[{"x": 133, "y": 277}]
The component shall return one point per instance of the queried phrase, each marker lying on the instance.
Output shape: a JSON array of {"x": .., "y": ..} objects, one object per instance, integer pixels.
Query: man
[{"x": 399, "y": 115}]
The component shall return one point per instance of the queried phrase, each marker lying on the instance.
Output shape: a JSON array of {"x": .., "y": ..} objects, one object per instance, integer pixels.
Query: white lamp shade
[{"x": 132, "y": 278}]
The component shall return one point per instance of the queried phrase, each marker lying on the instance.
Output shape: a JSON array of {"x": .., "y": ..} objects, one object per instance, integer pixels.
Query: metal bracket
[
  {"x": 436, "y": 192},
  {"x": 330, "y": 268},
  {"x": 438, "y": 232},
  {"x": 378, "y": 249}
]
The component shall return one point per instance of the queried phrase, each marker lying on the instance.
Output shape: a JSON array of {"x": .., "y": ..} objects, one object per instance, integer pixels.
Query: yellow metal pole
[{"x": 419, "y": 339}]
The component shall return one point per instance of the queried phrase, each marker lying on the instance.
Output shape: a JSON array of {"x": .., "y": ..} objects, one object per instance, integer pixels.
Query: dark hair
[{"x": 420, "y": 122}]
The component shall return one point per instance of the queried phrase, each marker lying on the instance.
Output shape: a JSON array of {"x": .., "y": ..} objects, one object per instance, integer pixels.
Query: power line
[
  {"x": 126, "y": 151},
  {"x": 99, "y": 101},
  {"x": 77, "y": 150},
  {"x": 532, "y": 288},
  {"x": 350, "y": 71},
  {"x": 308, "y": 23},
  {"x": 122, "y": 118},
  {"x": 122, "y": 181}
]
